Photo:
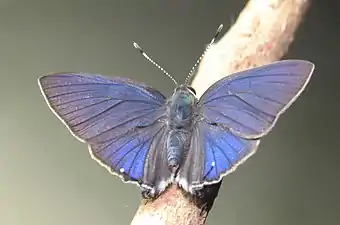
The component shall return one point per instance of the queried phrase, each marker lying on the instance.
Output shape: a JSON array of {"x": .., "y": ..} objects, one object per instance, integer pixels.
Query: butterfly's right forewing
[{"x": 123, "y": 122}]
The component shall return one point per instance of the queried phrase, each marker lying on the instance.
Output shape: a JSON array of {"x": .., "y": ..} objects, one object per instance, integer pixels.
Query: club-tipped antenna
[
  {"x": 191, "y": 73},
  {"x": 153, "y": 62}
]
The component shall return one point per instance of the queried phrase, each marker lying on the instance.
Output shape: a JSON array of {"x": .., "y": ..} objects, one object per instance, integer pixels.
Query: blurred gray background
[{"x": 48, "y": 178}]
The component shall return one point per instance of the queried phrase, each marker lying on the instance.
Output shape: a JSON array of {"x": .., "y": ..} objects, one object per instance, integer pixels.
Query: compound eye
[{"x": 192, "y": 89}]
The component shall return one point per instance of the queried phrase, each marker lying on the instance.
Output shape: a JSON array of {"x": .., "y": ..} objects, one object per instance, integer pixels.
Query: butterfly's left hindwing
[
  {"x": 214, "y": 152},
  {"x": 119, "y": 119}
]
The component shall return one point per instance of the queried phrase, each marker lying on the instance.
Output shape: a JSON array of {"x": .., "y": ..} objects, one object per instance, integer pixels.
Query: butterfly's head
[{"x": 185, "y": 95}]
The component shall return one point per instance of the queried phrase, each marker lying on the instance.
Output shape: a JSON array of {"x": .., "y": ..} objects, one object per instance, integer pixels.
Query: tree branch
[{"x": 261, "y": 34}]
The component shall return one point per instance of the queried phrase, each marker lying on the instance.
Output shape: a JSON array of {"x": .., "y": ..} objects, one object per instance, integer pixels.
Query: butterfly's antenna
[
  {"x": 153, "y": 62},
  {"x": 191, "y": 73}
]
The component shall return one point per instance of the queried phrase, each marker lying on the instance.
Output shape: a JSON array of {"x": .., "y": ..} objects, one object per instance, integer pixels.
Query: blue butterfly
[{"x": 138, "y": 134}]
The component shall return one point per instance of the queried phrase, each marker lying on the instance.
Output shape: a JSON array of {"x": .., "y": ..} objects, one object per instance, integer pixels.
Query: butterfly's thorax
[{"x": 181, "y": 110}]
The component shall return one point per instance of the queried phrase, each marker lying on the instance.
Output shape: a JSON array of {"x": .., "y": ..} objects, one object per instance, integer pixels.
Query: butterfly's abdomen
[{"x": 175, "y": 146}]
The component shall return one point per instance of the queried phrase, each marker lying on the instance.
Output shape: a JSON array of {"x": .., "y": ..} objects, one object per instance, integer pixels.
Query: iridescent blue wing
[
  {"x": 214, "y": 153},
  {"x": 234, "y": 113},
  {"x": 249, "y": 103},
  {"x": 122, "y": 121}
]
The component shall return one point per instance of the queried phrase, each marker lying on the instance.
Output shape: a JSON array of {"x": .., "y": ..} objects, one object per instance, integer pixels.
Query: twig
[{"x": 261, "y": 34}]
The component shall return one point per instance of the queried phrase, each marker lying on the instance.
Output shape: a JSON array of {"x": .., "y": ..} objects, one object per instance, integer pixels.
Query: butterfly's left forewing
[
  {"x": 122, "y": 121},
  {"x": 248, "y": 103}
]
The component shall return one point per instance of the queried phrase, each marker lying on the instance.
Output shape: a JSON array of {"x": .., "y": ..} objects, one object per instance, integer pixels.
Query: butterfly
[{"x": 138, "y": 134}]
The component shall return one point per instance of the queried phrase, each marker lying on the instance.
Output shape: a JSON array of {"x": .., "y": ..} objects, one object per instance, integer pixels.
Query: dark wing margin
[{"x": 248, "y": 103}]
